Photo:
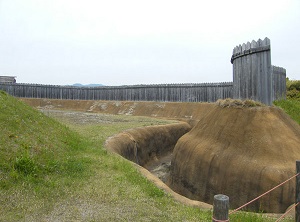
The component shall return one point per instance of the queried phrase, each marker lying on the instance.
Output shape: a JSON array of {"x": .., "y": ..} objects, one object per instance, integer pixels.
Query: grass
[
  {"x": 238, "y": 103},
  {"x": 291, "y": 107},
  {"x": 56, "y": 169}
]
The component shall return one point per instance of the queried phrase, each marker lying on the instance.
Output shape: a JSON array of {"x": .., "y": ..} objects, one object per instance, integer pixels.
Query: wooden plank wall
[
  {"x": 279, "y": 83},
  {"x": 7, "y": 79},
  {"x": 203, "y": 92},
  {"x": 252, "y": 71}
]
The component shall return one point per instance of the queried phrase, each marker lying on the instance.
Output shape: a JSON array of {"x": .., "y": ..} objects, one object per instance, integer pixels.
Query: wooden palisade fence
[
  {"x": 253, "y": 75},
  {"x": 253, "y": 78},
  {"x": 205, "y": 92},
  {"x": 279, "y": 83},
  {"x": 7, "y": 79}
]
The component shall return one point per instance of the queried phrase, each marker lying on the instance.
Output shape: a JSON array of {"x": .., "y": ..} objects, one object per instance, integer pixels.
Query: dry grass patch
[{"x": 238, "y": 103}]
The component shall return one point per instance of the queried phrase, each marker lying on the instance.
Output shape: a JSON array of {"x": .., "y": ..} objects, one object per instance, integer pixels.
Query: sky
[{"x": 118, "y": 42}]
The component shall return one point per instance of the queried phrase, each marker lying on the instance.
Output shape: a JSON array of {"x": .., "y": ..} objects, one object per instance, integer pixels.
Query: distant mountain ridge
[{"x": 88, "y": 85}]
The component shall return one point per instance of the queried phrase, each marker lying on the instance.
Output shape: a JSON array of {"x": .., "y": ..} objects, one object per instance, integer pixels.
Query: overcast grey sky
[{"x": 125, "y": 42}]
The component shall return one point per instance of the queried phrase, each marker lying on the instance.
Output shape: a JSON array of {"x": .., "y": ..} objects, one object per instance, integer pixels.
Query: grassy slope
[
  {"x": 291, "y": 107},
  {"x": 49, "y": 172},
  {"x": 39, "y": 157}
]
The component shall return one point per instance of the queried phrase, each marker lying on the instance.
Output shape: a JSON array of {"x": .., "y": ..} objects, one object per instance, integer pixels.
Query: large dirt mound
[{"x": 240, "y": 152}]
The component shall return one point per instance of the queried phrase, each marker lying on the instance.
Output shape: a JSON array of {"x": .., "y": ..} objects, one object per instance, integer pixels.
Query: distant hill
[{"x": 88, "y": 85}]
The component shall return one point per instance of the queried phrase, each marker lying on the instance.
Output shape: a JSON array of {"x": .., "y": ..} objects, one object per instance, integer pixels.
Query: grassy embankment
[
  {"x": 58, "y": 171},
  {"x": 291, "y": 107}
]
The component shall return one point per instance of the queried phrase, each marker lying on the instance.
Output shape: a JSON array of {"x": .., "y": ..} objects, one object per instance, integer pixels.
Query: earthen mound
[
  {"x": 147, "y": 144},
  {"x": 240, "y": 152}
]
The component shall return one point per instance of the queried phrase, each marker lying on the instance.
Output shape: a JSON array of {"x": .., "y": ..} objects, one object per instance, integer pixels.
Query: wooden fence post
[
  {"x": 220, "y": 208},
  {"x": 297, "y": 210}
]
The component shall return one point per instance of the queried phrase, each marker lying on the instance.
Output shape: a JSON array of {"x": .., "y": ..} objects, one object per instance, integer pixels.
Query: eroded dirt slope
[
  {"x": 240, "y": 152},
  {"x": 189, "y": 112},
  {"x": 150, "y": 146}
]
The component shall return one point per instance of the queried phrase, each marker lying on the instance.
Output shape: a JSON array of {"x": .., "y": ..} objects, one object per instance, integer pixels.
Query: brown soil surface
[
  {"x": 239, "y": 152},
  {"x": 189, "y": 112},
  {"x": 161, "y": 167},
  {"x": 147, "y": 145}
]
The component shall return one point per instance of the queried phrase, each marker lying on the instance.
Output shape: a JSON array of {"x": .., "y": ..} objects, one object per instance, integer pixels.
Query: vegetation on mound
[
  {"x": 34, "y": 146},
  {"x": 51, "y": 171},
  {"x": 291, "y": 107},
  {"x": 238, "y": 103},
  {"x": 293, "y": 89},
  {"x": 292, "y": 104}
]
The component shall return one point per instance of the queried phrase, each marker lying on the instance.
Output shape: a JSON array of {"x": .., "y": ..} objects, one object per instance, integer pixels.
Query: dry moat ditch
[
  {"x": 216, "y": 148},
  {"x": 150, "y": 147}
]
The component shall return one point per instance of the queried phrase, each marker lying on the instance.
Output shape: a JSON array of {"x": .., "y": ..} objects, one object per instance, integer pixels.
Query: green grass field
[{"x": 54, "y": 168}]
